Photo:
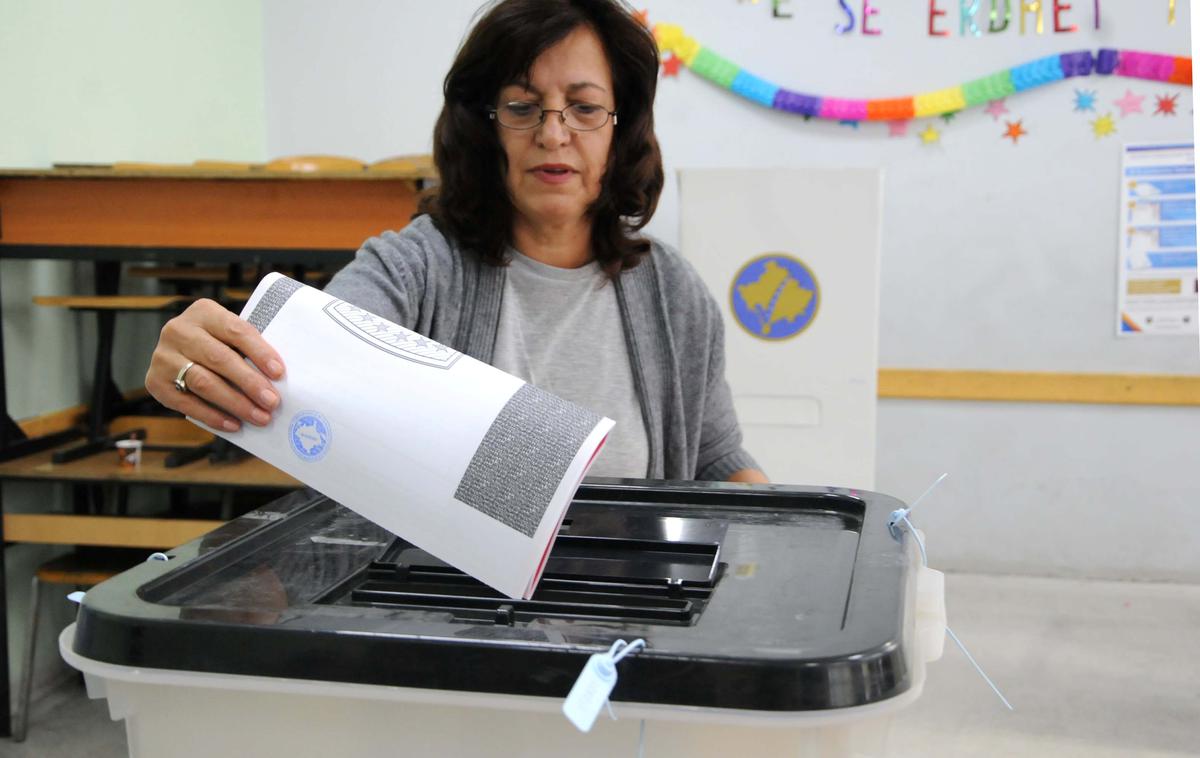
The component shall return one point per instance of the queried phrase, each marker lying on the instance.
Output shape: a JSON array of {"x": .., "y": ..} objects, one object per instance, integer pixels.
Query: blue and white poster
[{"x": 1157, "y": 282}]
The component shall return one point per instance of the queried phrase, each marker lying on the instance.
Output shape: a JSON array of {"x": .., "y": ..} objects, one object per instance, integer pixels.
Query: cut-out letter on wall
[
  {"x": 868, "y": 11},
  {"x": 847, "y": 27},
  {"x": 994, "y": 25},
  {"x": 1059, "y": 8},
  {"x": 1035, "y": 7},
  {"x": 966, "y": 23},
  {"x": 934, "y": 13}
]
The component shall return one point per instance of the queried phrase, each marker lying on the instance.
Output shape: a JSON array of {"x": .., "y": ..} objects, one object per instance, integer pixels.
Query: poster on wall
[{"x": 1156, "y": 282}]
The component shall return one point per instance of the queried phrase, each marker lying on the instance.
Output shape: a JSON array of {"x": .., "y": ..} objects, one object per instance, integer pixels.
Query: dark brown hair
[{"x": 471, "y": 204}]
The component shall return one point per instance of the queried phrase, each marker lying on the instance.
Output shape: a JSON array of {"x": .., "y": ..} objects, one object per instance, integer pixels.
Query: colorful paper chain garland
[{"x": 1105, "y": 62}]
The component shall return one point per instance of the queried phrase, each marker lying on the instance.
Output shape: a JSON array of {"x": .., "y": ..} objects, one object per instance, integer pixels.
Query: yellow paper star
[
  {"x": 1104, "y": 126},
  {"x": 930, "y": 135}
]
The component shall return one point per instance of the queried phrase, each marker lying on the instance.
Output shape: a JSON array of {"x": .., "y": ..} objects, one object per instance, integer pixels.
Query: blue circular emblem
[
  {"x": 310, "y": 435},
  {"x": 774, "y": 297}
]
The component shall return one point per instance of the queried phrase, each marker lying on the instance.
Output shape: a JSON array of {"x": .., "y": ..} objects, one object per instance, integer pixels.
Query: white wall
[
  {"x": 360, "y": 78},
  {"x": 995, "y": 256}
]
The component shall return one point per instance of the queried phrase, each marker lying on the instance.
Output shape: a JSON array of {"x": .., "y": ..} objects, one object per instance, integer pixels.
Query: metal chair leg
[{"x": 22, "y": 717}]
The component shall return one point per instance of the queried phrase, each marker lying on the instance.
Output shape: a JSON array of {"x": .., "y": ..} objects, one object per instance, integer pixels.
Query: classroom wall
[
  {"x": 995, "y": 255},
  {"x": 97, "y": 81}
]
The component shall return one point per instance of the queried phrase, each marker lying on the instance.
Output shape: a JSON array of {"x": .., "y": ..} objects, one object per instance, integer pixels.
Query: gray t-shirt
[{"x": 560, "y": 329}]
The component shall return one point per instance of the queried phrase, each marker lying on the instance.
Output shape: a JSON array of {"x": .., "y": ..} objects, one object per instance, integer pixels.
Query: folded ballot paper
[{"x": 459, "y": 458}]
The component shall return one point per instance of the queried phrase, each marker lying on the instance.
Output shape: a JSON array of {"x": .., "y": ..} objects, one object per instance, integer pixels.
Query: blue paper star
[
  {"x": 849, "y": 122},
  {"x": 1085, "y": 100}
]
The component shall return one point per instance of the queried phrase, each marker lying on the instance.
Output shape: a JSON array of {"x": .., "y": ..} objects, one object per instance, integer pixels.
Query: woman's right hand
[{"x": 221, "y": 388}]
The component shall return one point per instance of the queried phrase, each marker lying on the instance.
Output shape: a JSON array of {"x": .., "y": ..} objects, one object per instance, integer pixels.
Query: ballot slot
[
  {"x": 836, "y": 506},
  {"x": 586, "y": 577},
  {"x": 776, "y": 497},
  {"x": 624, "y": 553}
]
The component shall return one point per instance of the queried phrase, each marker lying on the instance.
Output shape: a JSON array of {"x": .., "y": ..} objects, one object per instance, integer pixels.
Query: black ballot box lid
[{"x": 760, "y": 597}]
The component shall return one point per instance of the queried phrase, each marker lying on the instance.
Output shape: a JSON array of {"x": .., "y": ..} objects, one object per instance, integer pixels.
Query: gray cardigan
[{"x": 419, "y": 279}]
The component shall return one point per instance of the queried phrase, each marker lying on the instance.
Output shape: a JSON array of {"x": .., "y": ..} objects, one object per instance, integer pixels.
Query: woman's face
[{"x": 554, "y": 172}]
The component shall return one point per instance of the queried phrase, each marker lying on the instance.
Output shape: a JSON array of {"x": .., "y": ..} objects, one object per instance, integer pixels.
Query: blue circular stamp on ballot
[{"x": 310, "y": 435}]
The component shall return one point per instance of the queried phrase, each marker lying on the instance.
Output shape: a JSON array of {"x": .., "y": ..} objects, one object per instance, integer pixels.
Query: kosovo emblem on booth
[{"x": 775, "y": 297}]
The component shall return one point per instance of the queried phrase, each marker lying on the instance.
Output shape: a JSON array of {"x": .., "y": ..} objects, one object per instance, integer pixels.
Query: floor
[{"x": 1094, "y": 669}]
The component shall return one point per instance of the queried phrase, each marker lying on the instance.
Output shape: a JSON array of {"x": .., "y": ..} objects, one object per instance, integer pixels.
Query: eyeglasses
[{"x": 582, "y": 117}]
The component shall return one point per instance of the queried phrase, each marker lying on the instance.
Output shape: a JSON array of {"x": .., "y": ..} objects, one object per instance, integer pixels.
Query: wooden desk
[
  {"x": 210, "y": 216},
  {"x": 250, "y": 216},
  {"x": 247, "y": 473},
  {"x": 125, "y": 531},
  {"x": 106, "y": 531},
  {"x": 109, "y": 216}
]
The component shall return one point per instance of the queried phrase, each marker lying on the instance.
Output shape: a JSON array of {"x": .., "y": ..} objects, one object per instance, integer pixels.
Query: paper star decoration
[
  {"x": 1104, "y": 126},
  {"x": 1166, "y": 105},
  {"x": 670, "y": 65},
  {"x": 1131, "y": 103},
  {"x": 948, "y": 117},
  {"x": 897, "y": 128},
  {"x": 1015, "y": 131},
  {"x": 930, "y": 135},
  {"x": 996, "y": 109},
  {"x": 849, "y": 122},
  {"x": 1085, "y": 100}
]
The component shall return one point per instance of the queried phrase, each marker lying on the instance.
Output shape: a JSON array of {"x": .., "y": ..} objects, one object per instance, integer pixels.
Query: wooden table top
[
  {"x": 249, "y": 473},
  {"x": 181, "y": 213},
  {"x": 369, "y": 174}
]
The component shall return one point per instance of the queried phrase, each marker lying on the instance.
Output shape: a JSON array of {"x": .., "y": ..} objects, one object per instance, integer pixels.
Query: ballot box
[{"x": 777, "y": 620}]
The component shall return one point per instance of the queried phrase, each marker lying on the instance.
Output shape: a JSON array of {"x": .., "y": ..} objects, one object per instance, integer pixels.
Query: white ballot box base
[{"x": 184, "y": 714}]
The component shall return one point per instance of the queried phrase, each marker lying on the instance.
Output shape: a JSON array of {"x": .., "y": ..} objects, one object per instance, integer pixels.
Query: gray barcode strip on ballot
[
  {"x": 272, "y": 301},
  {"x": 523, "y": 457}
]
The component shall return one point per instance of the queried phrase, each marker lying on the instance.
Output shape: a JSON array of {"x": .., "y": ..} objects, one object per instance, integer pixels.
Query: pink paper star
[
  {"x": 897, "y": 128},
  {"x": 996, "y": 109},
  {"x": 1131, "y": 103}
]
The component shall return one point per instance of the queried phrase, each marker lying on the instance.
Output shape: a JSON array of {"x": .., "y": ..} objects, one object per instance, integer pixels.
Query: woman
[{"x": 527, "y": 255}]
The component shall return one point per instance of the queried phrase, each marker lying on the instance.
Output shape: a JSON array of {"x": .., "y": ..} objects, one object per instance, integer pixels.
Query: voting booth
[
  {"x": 777, "y": 620},
  {"x": 792, "y": 256}
]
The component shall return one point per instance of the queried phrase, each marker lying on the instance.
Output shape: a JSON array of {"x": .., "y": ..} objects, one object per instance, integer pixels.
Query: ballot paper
[{"x": 469, "y": 463}]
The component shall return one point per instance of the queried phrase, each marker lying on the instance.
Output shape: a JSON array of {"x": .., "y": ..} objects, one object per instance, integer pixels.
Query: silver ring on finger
[{"x": 181, "y": 377}]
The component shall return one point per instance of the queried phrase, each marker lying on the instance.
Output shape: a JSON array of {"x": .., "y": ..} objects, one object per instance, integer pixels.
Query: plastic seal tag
[{"x": 591, "y": 691}]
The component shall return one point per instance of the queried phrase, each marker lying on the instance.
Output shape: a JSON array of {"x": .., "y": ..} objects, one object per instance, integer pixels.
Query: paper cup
[{"x": 129, "y": 454}]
